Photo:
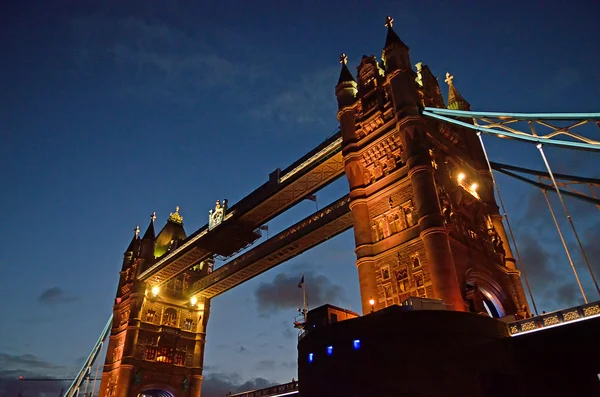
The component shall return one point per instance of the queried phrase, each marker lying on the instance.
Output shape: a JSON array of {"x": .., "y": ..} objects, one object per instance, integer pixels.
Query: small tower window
[
  {"x": 150, "y": 315},
  {"x": 188, "y": 324},
  {"x": 170, "y": 317},
  {"x": 385, "y": 273}
]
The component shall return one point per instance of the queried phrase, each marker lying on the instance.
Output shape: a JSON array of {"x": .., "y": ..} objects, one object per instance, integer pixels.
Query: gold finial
[
  {"x": 136, "y": 231},
  {"x": 389, "y": 21},
  {"x": 153, "y": 216},
  {"x": 343, "y": 59},
  {"x": 175, "y": 217},
  {"x": 449, "y": 78}
]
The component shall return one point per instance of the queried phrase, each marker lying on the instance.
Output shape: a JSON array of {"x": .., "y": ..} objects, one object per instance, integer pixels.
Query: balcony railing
[
  {"x": 554, "y": 319},
  {"x": 287, "y": 389}
]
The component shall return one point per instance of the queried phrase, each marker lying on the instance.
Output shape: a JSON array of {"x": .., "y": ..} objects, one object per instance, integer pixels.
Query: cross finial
[
  {"x": 153, "y": 216},
  {"x": 343, "y": 59},
  {"x": 389, "y": 21},
  {"x": 177, "y": 209},
  {"x": 449, "y": 78},
  {"x": 136, "y": 231}
]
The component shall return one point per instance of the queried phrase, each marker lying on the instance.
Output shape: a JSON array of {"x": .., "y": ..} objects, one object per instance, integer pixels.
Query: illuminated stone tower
[
  {"x": 156, "y": 344},
  {"x": 425, "y": 218}
]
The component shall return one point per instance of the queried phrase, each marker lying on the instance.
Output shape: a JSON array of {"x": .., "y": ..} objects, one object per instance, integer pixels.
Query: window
[
  {"x": 164, "y": 355},
  {"x": 188, "y": 324},
  {"x": 402, "y": 278},
  {"x": 388, "y": 291},
  {"x": 333, "y": 318},
  {"x": 385, "y": 273},
  {"x": 150, "y": 353},
  {"x": 416, "y": 262},
  {"x": 419, "y": 280},
  {"x": 179, "y": 358},
  {"x": 170, "y": 317},
  {"x": 150, "y": 314}
]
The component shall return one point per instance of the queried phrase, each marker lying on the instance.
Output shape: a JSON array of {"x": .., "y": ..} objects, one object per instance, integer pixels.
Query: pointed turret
[
  {"x": 150, "y": 234},
  {"x": 170, "y": 235},
  {"x": 134, "y": 245},
  {"x": 345, "y": 90},
  {"x": 395, "y": 53},
  {"x": 455, "y": 100},
  {"x": 147, "y": 241},
  {"x": 392, "y": 38}
]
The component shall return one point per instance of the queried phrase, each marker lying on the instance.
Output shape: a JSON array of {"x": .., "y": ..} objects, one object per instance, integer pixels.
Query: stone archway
[
  {"x": 155, "y": 392},
  {"x": 484, "y": 294}
]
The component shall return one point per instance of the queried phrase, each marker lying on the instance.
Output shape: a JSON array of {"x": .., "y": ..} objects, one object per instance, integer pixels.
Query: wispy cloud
[
  {"x": 307, "y": 99},
  {"x": 55, "y": 296}
]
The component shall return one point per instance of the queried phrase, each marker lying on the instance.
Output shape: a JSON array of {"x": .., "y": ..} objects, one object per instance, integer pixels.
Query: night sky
[{"x": 110, "y": 112}]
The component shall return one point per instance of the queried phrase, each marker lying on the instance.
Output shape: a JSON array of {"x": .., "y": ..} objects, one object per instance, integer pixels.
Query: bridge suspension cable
[
  {"x": 570, "y": 219},
  {"x": 498, "y": 124},
  {"x": 505, "y": 215},
  {"x": 86, "y": 369}
]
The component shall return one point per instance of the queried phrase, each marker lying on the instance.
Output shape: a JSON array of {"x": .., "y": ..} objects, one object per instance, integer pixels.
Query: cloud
[
  {"x": 310, "y": 100},
  {"x": 25, "y": 361},
  {"x": 154, "y": 60},
  {"x": 265, "y": 365},
  {"x": 55, "y": 295},
  {"x": 283, "y": 293},
  {"x": 219, "y": 384},
  {"x": 545, "y": 271}
]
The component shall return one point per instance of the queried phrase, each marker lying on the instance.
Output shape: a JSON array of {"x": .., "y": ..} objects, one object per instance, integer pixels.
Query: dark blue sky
[{"x": 112, "y": 111}]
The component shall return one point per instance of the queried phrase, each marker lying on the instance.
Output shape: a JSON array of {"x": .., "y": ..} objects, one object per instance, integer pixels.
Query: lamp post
[{"x": 372, "y": 303}]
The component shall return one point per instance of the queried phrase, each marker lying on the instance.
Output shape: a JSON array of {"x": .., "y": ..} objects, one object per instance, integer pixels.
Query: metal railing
[{"x": 555, "y": 319}]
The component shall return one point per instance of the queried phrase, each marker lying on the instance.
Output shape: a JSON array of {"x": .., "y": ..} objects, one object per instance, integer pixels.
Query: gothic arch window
[
  {"x": 150, "y": 315},
  {"x": 170, "y": 317},
  {"x": 385, "y": 272},
  {"x": 416, "y": 262},
  {"x": 402, "y": 279}
]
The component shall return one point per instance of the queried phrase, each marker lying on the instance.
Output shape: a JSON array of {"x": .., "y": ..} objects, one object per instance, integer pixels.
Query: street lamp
[
  {"x": 155, "y": 290},
  {"x": 372, "y": 303}
]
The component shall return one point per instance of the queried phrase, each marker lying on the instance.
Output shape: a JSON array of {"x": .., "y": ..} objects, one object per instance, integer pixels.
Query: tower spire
[
  {"x": 392, "y": 38},
  {"x": 345, "y": 75},
  {"x": 150, "y": 234},
  {"x": 455, "y": 100},
  {"x": 134, "y": 240}
]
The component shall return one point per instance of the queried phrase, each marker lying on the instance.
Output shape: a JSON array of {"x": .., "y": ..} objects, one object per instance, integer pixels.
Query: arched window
[{"x": 170, "y": 317}]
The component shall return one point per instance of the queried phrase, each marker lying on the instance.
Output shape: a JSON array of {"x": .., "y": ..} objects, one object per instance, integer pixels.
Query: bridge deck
[
  {"x": 313, "y": 230},
  {"x": 312, "y": 172},
  {"x": 555, "y": 319},
  {"x": 287, "y": 389}
]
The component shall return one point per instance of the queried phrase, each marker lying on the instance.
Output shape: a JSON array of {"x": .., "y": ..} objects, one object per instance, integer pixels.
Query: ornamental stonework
[{"x": 382, "y": 158}]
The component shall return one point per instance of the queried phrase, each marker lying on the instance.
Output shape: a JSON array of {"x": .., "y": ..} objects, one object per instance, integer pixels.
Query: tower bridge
[{"x": 421, "y": 202}]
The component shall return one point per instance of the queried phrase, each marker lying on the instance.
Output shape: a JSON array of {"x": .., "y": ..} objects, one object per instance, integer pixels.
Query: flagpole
[{"x": 305, "y": 309}]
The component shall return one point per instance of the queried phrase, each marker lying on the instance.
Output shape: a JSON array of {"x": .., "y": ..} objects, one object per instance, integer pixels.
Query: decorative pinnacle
[
  {"x": 343, "y": 59},
  {"x": 449, "y": 78},
  {"x": 153, "y": 216},
  {"x": 136, "y": 231},
  {"x": 175, "y": 217},
  {"x": 389, "y": 21}
]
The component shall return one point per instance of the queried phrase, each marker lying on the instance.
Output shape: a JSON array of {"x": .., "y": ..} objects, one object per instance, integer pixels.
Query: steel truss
[{"x": 503, "y": 125}]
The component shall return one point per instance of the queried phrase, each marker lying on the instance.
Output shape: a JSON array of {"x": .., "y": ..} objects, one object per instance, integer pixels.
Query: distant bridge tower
[
  {"x": 156, "y": 344},
  {"x": 425, "y": 218}
]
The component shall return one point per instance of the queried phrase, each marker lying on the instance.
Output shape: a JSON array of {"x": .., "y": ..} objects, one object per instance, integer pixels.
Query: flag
[
  {"x": 301, "y": 283},
  {"x": 312, "y": 197},
  {"x": 264, "y": 227}
]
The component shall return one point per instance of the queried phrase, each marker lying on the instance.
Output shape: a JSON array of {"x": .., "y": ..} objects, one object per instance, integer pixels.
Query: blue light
[
  {"x": 329, "y": 350},
  {"x": 310, "y": 357},
  {"x": 356, "y": 344}
]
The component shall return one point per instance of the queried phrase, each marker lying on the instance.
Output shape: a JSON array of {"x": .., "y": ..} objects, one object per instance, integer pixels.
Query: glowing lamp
[
  {"x": 474, "y": 187},
  {"x": 461, "y": 176},
  {"x": 155, "y": 290},
  {"x": 194, "y": 300},
  {"x": 371, "y": 302}
]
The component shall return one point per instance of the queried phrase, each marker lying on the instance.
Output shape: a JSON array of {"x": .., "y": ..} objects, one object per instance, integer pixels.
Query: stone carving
[{"x": 216, "y": 216}]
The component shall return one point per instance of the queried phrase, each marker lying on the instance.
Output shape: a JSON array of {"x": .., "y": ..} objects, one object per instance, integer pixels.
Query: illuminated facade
[
  {"x": 425, "y": 218},
  {"x": 156, "y": 345}
]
